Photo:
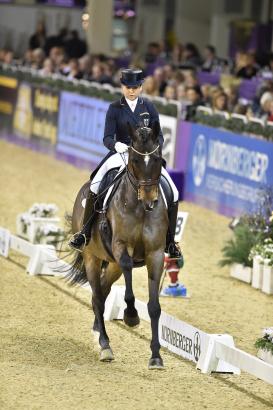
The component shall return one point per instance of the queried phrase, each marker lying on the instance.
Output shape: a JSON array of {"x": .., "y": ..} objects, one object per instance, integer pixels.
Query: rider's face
[{"x": 131, "y": 93}]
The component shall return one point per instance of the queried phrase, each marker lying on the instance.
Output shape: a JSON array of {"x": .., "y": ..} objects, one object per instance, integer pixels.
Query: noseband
[{"x": 141, "y": 183}]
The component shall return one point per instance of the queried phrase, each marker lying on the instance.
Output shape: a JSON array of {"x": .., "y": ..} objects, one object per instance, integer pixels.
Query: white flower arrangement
[
  {"x": 264, "y": 250},
  {"x": 266, "y": 342},
  {"x": 268, "y": 333},
  {"x": 43, "y": 210}
]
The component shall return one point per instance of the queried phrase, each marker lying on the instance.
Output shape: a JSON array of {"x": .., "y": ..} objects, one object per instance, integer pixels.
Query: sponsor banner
[
  {"x": 81, "y": 127},
  {"x": 45, "y": 113},
  {"x": 168, "y": 126},
  {"x": 181, "y": 338},
  {"x": 36, "y": 112},
  {"x": 225, "y": 171},
  {"x": 8, "y": 94}
]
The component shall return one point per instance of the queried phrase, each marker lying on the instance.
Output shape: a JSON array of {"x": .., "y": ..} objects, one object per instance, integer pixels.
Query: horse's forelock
[{"x": 144, "y": 134}]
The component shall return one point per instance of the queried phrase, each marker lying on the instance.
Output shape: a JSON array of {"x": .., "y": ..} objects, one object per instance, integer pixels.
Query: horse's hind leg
[
  {"x": 130, "y": 317},
  {"x": 111, "y": 274},
  {"x": 93, "y": 271},
  {"x": 154, "y": 264}
]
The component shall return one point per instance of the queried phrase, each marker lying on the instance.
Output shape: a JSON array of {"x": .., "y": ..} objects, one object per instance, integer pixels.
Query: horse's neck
[{"x": 128, "y": 192}]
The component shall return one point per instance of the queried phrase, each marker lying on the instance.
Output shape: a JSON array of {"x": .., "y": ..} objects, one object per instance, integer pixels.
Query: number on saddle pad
[{"x": 180, "y": 225}]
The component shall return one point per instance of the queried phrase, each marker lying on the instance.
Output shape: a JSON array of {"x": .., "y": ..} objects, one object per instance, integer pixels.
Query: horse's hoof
[
  {"x": 156, "y": 363},
  {"x": 131, "y": 321},
  {"x": 106, "y": 355}
]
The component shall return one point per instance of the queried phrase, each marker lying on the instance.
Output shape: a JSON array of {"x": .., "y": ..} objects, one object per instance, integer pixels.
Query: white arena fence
[{"x": 210, "y": 352}]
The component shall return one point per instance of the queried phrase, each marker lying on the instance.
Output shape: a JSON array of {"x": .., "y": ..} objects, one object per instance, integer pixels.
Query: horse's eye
[{"x": 135, "y": 160}]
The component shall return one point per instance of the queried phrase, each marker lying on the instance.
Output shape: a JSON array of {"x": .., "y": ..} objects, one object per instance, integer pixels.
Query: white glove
[{"x": 120, "y": 147}]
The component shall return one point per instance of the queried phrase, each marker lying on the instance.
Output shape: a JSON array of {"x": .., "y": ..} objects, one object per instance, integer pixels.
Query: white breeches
[{"x": 119, "y": 161}]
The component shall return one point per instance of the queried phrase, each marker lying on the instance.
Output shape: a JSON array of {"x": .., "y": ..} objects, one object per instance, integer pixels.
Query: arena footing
[{"x": 210, "y": 352}]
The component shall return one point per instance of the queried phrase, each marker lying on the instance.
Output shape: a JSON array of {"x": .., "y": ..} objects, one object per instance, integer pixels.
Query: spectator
[
  {"x": 56, "y": 41},
  {"x": 169, "y": 92},
  {"x": 194, "y": 96},
  {"x": 265, "y": 103},
  {"x": 181, "y": 92},
  {"x": 270, "y": 112},
  {"x": 206, "y": 93},
  {"x": 150, "y": 86},
  {"x": 38, "y": 57},
  {"x": 211, "y": 61},
  {"x": 159, "y": 77},
  {"x": 191, "y": 79},
  {"x": 153, "y": 53},
  {"x": 56, "y": 55},
  {"x": 85, "y": 64},
  {"x": 27, "y": 60},
  {"x": 153, "y": 58},
  {"x": 74, "y": 46},
  {"x": 177, "y": 54},
  {"x": 8, "y": 56},
  {"x": 48, "y": 68},
  {"x": 219, "y": 101},
  {"x": 74, "y": 70},
  {"x": 232, "y": 96},
  {"x": 38, "y": 39},
  {"x": 191, "y": 56},
  {"x": 98, "y": 75},
  {"x": 250, "y": 67}
]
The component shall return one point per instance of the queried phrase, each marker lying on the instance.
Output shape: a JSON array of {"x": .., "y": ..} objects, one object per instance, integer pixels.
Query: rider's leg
[
  {"x": 81, "y": 239},
  {"x": 171, "y": 247},
  {"x": 115, "y": 161}
]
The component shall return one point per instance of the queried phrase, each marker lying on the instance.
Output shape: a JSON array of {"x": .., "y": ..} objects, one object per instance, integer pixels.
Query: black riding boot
[
  {"x": 80, "y": 239},
  {"x": 171, "y": 247}
]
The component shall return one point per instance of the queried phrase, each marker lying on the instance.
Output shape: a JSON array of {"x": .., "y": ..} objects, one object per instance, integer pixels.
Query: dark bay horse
[{"x": 138, "y": 221}]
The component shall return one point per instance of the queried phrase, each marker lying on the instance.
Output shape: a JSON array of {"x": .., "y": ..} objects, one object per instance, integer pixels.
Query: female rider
[{"x": 137, "y": 111}]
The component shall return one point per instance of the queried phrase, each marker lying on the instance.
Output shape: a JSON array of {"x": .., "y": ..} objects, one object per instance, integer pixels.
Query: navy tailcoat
[{"x": 118, "y": 115}]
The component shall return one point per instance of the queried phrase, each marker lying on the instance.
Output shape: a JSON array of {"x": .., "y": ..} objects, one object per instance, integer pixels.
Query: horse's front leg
[
  {"x": 154, "y": 262},
  {"x": 93, "y": 271},
  {"x": 130, "y": 316}
]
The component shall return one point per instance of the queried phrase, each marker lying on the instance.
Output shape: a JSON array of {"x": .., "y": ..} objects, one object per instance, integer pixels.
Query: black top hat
[{"x": 132, "y": 78}]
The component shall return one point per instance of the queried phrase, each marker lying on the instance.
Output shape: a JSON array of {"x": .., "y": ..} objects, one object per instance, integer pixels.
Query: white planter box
[
  {"x": 241, "y": 272},
  {"x": 267, "y": 284},
  {"x": 257, "y": 272},
  {"x": 28, "y": 230},
  {"x": 265, "y": 355}
]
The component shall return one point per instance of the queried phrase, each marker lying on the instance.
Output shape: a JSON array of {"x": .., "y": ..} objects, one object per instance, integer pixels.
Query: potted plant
[
  {"x": 265, "y": 345},
  {"x": 267, "y": 281},
  {"x": 236, "y": 252}
]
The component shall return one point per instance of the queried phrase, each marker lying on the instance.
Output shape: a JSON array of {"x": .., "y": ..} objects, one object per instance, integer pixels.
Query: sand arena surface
[{"x": 48, "y": 358}]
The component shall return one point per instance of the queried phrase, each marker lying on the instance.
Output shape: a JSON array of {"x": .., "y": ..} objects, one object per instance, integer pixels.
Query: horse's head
[{"x": 144, "y": 164}]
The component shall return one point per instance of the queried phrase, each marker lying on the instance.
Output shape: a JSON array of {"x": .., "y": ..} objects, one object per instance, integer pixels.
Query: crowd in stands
[{"x": 172, "y": 75}]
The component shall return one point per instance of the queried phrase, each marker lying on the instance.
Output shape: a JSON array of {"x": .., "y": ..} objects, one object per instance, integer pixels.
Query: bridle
[{"x": 136, "y": 183}]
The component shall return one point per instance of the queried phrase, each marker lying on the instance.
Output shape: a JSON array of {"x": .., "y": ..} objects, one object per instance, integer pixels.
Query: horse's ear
[
  {"x": 131, "y": 131},
  {"x": 156, "y": 129}
]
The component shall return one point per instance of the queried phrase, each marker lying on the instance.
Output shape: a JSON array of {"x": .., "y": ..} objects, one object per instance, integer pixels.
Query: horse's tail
[{"x": 76, "y": 274}]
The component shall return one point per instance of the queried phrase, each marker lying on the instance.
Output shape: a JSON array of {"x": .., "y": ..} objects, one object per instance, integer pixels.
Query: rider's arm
[{"x": 110, "y": 128}]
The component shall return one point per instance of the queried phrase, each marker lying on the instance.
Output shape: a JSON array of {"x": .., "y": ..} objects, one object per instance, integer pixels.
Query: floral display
[{"x": 266, "y": 342}]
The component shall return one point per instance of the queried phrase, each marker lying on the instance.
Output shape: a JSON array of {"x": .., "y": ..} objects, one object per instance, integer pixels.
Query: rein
[
  {"x": 137, "y": 184},
  {"x": 142, "y": 153}
]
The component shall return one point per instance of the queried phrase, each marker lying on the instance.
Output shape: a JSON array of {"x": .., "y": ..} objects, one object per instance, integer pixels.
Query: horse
[{"x": 137, "y": 223}]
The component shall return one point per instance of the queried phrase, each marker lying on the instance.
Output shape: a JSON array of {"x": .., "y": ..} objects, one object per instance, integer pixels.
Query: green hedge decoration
[{"x": 88, "y": 90}]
